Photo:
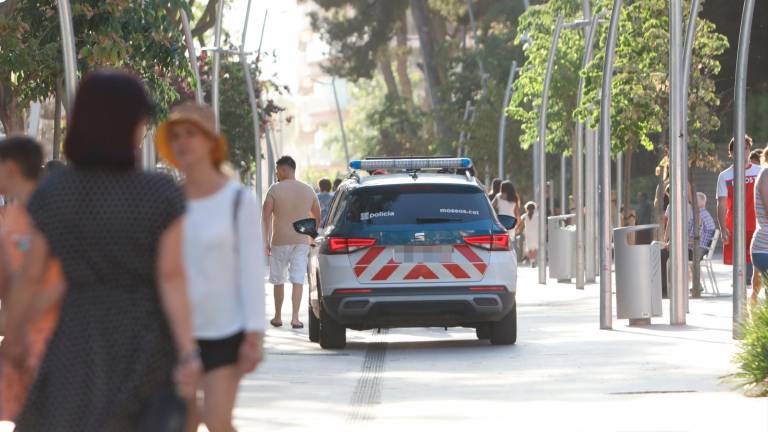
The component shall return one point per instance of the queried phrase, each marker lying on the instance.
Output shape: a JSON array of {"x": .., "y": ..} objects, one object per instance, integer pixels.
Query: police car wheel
[
  {"x": 504, "y": 332},
  {"x": 313, "y": 321},
  {"x": 483, "y": 331},
  {"x": 313, "y": 324},
  {"x": 332, "y": 334}
]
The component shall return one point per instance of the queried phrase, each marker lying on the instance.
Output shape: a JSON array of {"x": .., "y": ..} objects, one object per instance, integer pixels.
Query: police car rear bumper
[{"x": 422, "y": 307}]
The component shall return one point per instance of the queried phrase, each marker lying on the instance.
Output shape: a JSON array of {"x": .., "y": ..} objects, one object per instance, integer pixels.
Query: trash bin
[
  {"x": 638, "y": 277},
  {"x": 561, "y": 242}
]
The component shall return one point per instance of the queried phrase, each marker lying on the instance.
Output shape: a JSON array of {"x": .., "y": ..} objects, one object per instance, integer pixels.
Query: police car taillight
[
  {"x": 411, "y": 164},
  {"x": 495, "y": 242},
  {"x": 340, "y": 245}
]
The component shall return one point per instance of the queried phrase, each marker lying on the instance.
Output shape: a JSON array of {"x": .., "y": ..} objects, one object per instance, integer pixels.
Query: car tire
[
  {"x": 332, "y": 334},
  {"x": 483, "y": 331},
  {"x": 504, "y": 332},
  {"x": 313, "y": 324}
]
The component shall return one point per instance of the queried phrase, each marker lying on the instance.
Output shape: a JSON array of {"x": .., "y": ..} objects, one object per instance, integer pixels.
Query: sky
[{"x": 281, "y": 34}]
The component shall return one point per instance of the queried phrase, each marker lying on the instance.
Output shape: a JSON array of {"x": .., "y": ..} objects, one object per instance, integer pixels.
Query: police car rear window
[{"x": 417, "y": 204}]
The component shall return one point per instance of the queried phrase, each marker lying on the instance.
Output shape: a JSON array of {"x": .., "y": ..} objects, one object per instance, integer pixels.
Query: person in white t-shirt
[{"x": 224, "y": 259}]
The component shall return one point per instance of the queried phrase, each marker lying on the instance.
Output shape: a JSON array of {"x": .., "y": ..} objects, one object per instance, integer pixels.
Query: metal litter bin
[
  {"x": 638, "y": 277},
  {"x": 561, "y": 242}
]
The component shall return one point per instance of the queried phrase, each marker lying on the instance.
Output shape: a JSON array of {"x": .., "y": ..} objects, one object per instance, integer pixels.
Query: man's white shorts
[{"x": 290, "y": 260}]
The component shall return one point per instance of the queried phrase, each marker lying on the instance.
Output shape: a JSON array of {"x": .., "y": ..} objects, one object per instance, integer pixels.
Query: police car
[{"x": 415, "y": 245}]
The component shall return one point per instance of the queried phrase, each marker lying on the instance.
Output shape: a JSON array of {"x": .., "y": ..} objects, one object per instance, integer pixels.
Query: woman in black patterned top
[{"x": 118, "y": 234}]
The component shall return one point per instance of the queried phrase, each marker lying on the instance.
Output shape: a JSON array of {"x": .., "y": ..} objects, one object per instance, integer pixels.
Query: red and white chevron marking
[{"x": 378, "y": 265}]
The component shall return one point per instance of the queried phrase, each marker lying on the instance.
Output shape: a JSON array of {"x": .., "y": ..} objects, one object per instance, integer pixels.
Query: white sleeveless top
[{"x": 505, "y": 207}]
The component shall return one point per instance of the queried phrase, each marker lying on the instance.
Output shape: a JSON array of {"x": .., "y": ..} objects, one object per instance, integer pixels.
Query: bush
[{"x": 753, "y": 357}]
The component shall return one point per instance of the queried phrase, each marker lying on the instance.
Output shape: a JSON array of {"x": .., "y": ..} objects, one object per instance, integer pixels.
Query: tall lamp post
[
  {"x": 579, "y": 172},
  {"x": 68, "y": 50},
  {"x": 503, "y": 121},
  {"x": 606, "y": 307},
  {"x": 540, "y": 151},
  {"x": 217, "y": 62},
  {"x": 740, "y": 126},
  {"x": 541, "y": 154},
  {"x": 678, "y": 182}
]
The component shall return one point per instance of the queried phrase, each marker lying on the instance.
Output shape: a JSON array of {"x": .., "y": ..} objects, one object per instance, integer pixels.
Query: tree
[
  {"x": 235, "y": 109},
  {"x": 147, "y": 40},
  {"x": 640, "y": 85}
]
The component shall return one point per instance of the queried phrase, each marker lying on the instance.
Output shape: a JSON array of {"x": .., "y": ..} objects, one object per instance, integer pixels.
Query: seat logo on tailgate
[{"x": 373, "y": 265}]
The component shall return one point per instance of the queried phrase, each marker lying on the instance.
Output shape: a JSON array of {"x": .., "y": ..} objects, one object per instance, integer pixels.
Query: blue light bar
[{"x": 411, "y": 164}]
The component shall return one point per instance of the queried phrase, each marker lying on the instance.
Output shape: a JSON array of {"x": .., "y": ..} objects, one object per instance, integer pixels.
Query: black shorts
[{"x": 216, "y": 353}]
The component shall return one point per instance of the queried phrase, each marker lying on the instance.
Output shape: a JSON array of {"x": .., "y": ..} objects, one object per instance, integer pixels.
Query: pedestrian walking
[
  {"x": 124, "y": 334},
  {"x": 224, "y": 259},
  {"x": 530, "y": 229},
  {"x": 725, "y": 205},
  {"x": 507, "y": 202},
  {"x": 20, "y": 168},
  {"x": 324, "y": 197},
  {"x": 759, "y": 247},
  {"x": 288, "y": 201}
]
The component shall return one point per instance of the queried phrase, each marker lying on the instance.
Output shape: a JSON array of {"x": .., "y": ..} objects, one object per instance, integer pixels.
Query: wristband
[{"x": 189, "y": 357}]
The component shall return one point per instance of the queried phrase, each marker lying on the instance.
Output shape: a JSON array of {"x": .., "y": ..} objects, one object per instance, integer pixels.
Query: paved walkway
[{"x": 564, "y": 374}]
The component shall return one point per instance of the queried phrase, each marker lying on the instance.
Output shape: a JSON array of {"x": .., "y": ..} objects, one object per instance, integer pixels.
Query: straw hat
[
  {"x": 529, "y": 203},
  {"x": 201, "y": 116}
]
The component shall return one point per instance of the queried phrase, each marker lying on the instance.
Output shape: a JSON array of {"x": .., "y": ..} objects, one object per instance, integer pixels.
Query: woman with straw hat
[{"x": 224, "y": 258}]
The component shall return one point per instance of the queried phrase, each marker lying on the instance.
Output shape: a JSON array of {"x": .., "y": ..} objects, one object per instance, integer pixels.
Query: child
[
  {"x": 530, "y": 227},
  {"x": 21, "y": 160}
]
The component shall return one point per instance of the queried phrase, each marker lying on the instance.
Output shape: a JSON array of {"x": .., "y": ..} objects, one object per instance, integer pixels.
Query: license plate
[{"x": 424, "y": 254}]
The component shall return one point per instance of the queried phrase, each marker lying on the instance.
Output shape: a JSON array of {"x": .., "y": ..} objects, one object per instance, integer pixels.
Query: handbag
[{"x": 164, "y": 411}]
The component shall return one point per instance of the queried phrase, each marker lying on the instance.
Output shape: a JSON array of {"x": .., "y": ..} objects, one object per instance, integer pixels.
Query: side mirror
[
  {"x": 509, "y": 222},
  {"x": 306, "y": 227}
]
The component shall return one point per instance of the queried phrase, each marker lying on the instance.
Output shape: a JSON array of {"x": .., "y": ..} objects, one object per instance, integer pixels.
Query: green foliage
[
  {"x": 752, "y": 358},
  {"x": 115, "y": 33},
  {"x": 640, "y": 86},
  {"x": 379, "y": 125},
  {"x": 356, "y": 31},
  {"x": 538, "y": 23},
  {"x": 235, "y": 108}
]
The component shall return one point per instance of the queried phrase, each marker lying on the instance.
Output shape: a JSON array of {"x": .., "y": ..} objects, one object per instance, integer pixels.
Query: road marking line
[{"x": 367, "y": 392}]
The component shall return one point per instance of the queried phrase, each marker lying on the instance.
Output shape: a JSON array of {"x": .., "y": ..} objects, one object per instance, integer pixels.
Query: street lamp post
[
  {"x": 678, "y": 182},
  {"x": 253, "y": 101},
  {"x": 740, "y": 126},
  {"x": 68, "y": 50},
  {"x": 542, "y": 151},
  {"x": 192, "y": 56},
  {"x": 341, "y": 121},
  {"x": 606, "y": 307},
  {"x": 217, "y": 62},
  {"x": 579, "y": 171},
  {"x": 503, "y": 121}
]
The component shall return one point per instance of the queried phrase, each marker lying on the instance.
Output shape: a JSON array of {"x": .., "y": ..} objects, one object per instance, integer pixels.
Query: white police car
[{"x": 416, "y": 246}]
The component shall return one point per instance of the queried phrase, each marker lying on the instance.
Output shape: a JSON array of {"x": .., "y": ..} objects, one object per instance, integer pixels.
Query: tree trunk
[
  {"x": 57, "y": 122},
  {"x": 11, "y": 114},
  {"x": 431, "y": 74},
  {"x": 406, "y": 88},
  {"x": 385, "y": 66}
]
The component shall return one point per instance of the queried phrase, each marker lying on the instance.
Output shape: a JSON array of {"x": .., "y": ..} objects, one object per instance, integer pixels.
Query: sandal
[
  {"x": 276, "y": 323},
  {"x": 300, "y": 325}
]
